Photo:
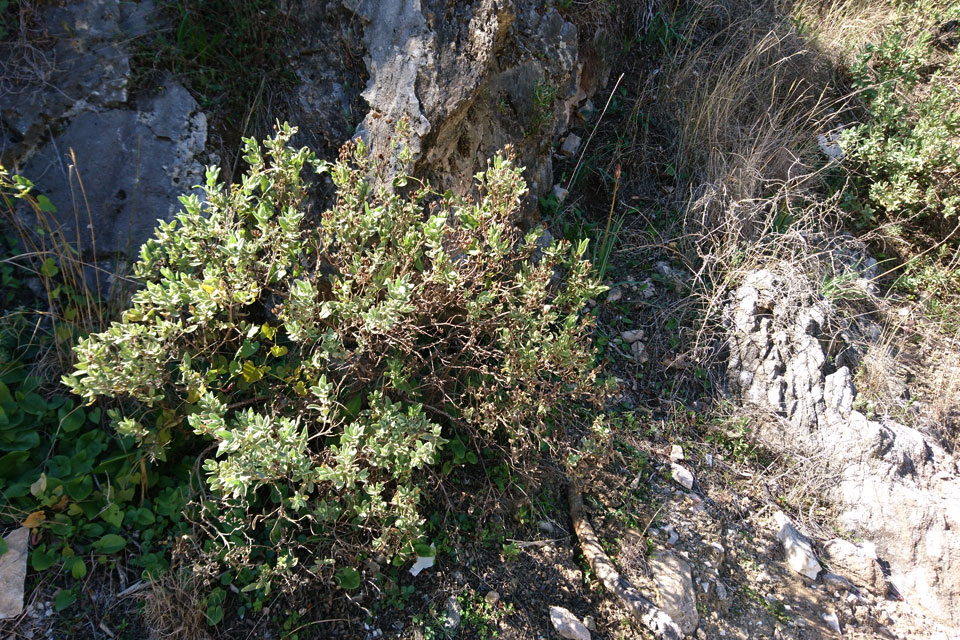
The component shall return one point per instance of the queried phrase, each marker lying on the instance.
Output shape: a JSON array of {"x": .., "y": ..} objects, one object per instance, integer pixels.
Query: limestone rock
[
  {"x": 857, "y": 561},
  {"x": 451, "y": 622},
  {"x": 676, "y": 453},
  {"x": 799, "y": 551},
  {"x": 677, "y": 595},
  {"x": 568, "y": 625},
  {"x": 133, "y": 166},
  {"x": 86, "y": 68},
  {"x": 470, "y": 78},
  {"x": 570, "y": 145},
  {"x": 891, "y": 483},
  {"x": 13, "y": 571},
  {"x": 682, "y": 476}
]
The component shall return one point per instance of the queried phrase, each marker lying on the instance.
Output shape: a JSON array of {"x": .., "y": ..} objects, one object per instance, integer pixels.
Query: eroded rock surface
[
  {"x": 131, "y": 166},
  {"x": 894, "y": 486},
  {"x": 75, "y": 62},
  {"x": 469, "y": 78}
]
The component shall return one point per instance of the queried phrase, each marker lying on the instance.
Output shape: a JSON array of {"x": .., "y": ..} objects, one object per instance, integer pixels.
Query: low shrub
[
  {"x": 332, "y": 361},
  {"x": 907, "y": 151}
]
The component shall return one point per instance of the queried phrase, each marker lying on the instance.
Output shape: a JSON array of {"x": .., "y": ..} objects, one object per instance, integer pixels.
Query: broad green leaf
[
  {"x": 49, "y": 268},
  {"x": 348, "y": 578},
  {"x": 113, "y": 515},
  {"x": 63, "y": 599},
  {"x": 110, "y": 543},
  {"x": 34, "y": 404},
  {"x": 214, "y": 614},
  {"x": 43, "y": 202},
  {"x": 251, "y": 372},
  {"x": 41, "y": 559}
]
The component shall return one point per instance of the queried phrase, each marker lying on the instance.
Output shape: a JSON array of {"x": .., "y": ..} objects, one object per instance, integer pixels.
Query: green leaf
[
  {"x": 3, "y": 546},
  {"x": 251, "y": 372},
  {"x": 33, "y": 404},
  {"x": 14, "y": 464},
  {"x": 110, "y": 543},
  {"x": 72, "y": 420},
  {"x": 5, "y": 396},
  {"x": 113, "y": 515},
  {"x": 214, "y": 614},
  {"x": 59, "y": 466},
  {"x": 76, "y": 566},
  {"x": 46, "y": 206},
  {"x": 63, "y": 599},
  {"x": 49, "y": 268},
  {"x": 80, "y": 488},
  {"x": 41, "y": 559},
  {"x": 248, "y": 348},
  {"x": 348, "y": 578}
]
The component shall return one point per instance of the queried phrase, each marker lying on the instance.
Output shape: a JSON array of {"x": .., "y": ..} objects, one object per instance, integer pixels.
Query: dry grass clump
[
  {"x": 741, "y": 102},
  {"x": 172, "y": 608}
]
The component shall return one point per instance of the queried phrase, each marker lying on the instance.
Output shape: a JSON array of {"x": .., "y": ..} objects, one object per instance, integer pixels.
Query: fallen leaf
[{"x": 34, "y": 520}]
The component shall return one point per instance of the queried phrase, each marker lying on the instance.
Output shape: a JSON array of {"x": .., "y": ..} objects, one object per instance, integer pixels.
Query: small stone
[
  {"x": 639, "y": 352},
  {"x": 590, "y": 623},
  {"x": 799, "y": 552},
  {"x": 677, "y": 596},
  {"x": 837, "y": 582},
  {"x": 708, "y": 457},
  {"x": 13, "y": 571},
  {"x": 676, "y": 453},
  {"x": 568, "y": 625},
  {"x": 682, "y": 476},
  {"x": 716, "y": 552},
  {"x": 570, "y": 145},
  {"x": 632, "y": 336},
  {"x": 560, "y": 193},
  {"x": 452, "y": 621},
  {"x": 546, "y": 527},
  {"x": 492, "y": 597},
  {"x": 671, "y": 534},
  {"x": 832, "y": 621},
  {"x": 721, "y": 591},
  {"x": 856, "y": 561}
]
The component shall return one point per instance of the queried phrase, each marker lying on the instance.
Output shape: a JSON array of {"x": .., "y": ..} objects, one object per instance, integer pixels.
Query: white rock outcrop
[{"x": 893, "y": 485}]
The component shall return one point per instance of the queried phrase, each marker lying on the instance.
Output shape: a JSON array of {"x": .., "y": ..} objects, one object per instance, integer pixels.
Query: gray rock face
[
  {"x": 894, "y": 487},
  {"x": 469, "y": 78},
  {"x": 132, "y": 166},
  {"x": 13, "y": 571},
  {"x": 81, "y": 66},
  {"x": 677, "y": 595}
]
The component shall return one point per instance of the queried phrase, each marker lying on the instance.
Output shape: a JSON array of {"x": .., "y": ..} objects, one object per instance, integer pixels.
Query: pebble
[
  {"x": 681, "y": 475},
  {"x": 639, "y": 351},
  {"x": 614, "y": 294},
  {"x": 832, "y": 621},
  {"x": 452, "y": 621},
  {"x": 570, "y": 145},
  {"x": 632, "y": 335},
  {"x": 676, "y": 453},
  {"x": 800, "y": 554},
  {"x": 492, "y": 597},
  {"x": 568, "y": 625}
]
